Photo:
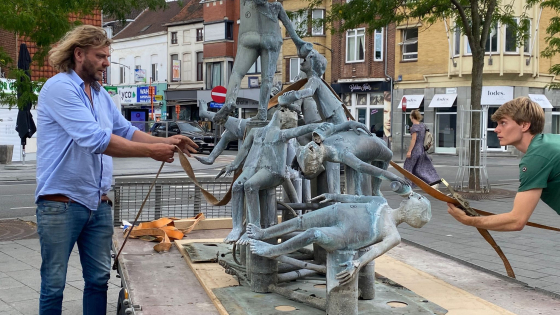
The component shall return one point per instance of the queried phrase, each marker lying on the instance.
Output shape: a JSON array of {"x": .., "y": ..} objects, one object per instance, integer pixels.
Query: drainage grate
[{"x": 13, "y": 230}]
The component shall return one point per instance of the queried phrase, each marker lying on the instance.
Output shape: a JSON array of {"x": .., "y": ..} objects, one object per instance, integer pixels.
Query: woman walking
[{"x": 417, "y": 161}]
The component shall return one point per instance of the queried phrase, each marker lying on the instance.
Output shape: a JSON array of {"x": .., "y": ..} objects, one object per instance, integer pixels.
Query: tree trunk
[{"x": 476, "y": 93}]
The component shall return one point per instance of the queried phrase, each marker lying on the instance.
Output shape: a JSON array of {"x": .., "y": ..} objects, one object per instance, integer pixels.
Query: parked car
[{"x": 205, "y": 140}]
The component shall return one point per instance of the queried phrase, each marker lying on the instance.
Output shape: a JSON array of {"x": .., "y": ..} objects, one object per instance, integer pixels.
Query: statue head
[
  {"x": 417, "y": 210},
  {"x": 310, "y": 159},
  {"x": 314, "y": 62},
  {"x": 287, "y": 118}
]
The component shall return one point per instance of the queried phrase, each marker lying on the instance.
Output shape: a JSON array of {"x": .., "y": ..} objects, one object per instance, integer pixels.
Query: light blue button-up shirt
[{"x": 71, "y": 138}]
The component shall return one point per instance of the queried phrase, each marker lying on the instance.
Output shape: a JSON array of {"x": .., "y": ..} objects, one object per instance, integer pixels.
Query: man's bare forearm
[
  {"x": 121, "y": 147},
  {"x": 143, "y": 137}
]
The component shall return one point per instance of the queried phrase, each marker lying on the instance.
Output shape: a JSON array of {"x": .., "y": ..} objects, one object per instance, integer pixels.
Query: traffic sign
[
  {"x": 218, "y": 94},
  {"x": 404, "y": 104}
]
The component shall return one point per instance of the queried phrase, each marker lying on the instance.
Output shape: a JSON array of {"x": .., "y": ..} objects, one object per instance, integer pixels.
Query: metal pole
[{"x": 402, "y": 136}]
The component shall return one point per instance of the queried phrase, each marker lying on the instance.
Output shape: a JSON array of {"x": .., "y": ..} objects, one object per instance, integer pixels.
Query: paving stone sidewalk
[
  {"x": 533, "y": 253},
  {"x": 20, "y": 280}
]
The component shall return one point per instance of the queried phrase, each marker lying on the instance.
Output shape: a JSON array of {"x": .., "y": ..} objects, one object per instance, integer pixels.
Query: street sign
[
  {"x": 216, "y": 105},
  {"x": 218, "y": 94},
  {"x": 404, "y": 104}
]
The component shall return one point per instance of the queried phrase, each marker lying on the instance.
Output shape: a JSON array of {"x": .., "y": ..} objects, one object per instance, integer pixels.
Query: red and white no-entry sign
[{"x": 219, "y": 94}]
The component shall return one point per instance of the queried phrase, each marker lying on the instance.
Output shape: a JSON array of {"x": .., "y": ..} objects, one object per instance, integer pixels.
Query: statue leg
[
  {"x": 240, "y": 68},
  {"x": 263, "y": 179},
  {"x": 330, "y": 237},
  {"x": 227, "y": 136},
  {"x": 237, "y": 208},
  {"x": 376, "y": 181},
  {"x": 268, "y": 66},
  {"x": 323, "y": 217}
]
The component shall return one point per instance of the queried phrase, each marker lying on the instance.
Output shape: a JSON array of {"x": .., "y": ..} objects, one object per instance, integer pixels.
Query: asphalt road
[{"x": 17, "y": 197}]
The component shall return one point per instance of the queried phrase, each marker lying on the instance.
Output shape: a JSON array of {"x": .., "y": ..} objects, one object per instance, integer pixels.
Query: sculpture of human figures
[
  {"x": 259, "y": 34},
  {"x": 359, "y": 222},
  {"x": 264, "y": 152},
  {"x": 329, "y": 106},
  {"x": 358, "y": 151},
  {"x": 235, "y": 130}
]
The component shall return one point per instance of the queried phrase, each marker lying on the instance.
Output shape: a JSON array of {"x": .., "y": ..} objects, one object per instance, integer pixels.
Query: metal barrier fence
[{"x": 171, "y": 197}]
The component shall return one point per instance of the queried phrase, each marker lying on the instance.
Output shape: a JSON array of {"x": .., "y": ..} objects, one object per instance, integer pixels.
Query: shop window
[
  {"x": 361, "y": 99},
  {"x": 409, "y": 44},
  {"x": 408, "y": 120},
  {"x": 378, "y": 45},
  {"x": 173, "y": 38},
  {"x": 555, "y": 121},
  {"x": 355, "y": 45}
]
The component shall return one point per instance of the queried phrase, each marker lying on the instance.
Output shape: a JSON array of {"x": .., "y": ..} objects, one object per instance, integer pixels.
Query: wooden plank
[
  {"x": 208, "y": 224},
  {"x": 210, "y": 275}
]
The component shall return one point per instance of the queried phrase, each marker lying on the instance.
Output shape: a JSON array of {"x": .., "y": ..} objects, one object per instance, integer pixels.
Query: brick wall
[
  {"x": 9, "y": 44},
  {"x": 217, "y": 11},
  {"x": 46, "y": 71},
  {"x": 368, "y": 68}
]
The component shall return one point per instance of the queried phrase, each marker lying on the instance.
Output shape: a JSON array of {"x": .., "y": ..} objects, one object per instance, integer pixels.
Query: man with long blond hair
[
  {"x": 521, "y": 123},
  {"x": 79, "y": 131}
]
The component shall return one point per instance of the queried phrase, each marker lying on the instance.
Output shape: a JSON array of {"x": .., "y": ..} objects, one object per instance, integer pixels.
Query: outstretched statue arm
[
  {"x": 300, "y": 43},
  {"x": 343, "y": 198},
  {"x": 241, "y": 155},
  {"x": 291, "y": 96},
  {"x": 363, "y": 167},
  {"x": 352, "y": 267}
]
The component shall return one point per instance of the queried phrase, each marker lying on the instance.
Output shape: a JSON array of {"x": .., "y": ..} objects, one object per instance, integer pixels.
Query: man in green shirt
[{"x": 520, "y": 123}]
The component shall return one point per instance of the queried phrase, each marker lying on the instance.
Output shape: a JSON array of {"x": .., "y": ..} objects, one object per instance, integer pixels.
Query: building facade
[
  {"x": 363, "y": 65},
  {"x": 185, "y": 47},
  {"x": 140, "y": 59},
  {"x": 433, "y": 74}
]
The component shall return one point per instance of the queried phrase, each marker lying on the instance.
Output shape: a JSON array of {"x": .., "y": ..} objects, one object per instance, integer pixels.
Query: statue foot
[
  {"x": 233, "y": 236},
  {"x": 377, "y": 193},
  {"x": 260, "y": 248},
  {"x": 204, "y": 160},
  {"x": 244, "y": 240},
  {"x": 255, "y": 232}
]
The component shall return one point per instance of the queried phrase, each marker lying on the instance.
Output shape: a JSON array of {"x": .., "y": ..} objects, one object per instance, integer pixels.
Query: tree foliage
[{"x": 45, "y": 22}]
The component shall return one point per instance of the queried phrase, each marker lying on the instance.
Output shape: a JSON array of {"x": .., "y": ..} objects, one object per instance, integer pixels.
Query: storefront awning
[
  {"x": 443, "y": 100},
  {"x": 412, "y": 101},
  {"x": 541, "y": 100}
]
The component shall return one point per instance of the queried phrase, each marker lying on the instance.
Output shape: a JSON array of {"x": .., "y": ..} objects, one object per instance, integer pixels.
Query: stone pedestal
[{"x": 6, "y": 153}]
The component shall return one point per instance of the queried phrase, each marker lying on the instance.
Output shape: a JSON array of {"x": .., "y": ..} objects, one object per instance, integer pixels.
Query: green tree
[
  {"x": 552, "y": 39},
  {"x": 474, "y": 18},
  {"x": 45, "y": 22}
]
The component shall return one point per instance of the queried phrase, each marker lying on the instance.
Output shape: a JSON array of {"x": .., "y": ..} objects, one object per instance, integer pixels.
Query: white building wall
[
  {"x": 186, "y": 46},
  {"x": 144, "y": 47}
]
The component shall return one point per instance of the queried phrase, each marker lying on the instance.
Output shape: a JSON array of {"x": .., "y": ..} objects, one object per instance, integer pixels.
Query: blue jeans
[{"x": 60, "y": 225}]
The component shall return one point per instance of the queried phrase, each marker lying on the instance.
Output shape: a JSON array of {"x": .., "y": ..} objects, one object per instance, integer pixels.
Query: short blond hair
[
  {"x": 61, "y": 57},
  {"x": 522, "y": 110},
  {"x": 416, "y": 115}
]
